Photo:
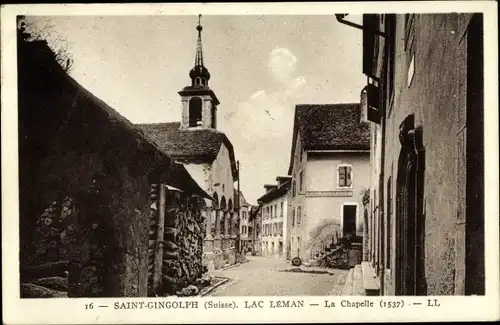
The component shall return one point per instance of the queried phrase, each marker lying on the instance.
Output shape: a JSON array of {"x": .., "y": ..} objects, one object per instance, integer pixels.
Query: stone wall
[{"x": 182, "y": 243}]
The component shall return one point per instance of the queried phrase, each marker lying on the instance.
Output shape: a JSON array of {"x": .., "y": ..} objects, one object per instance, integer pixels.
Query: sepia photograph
[{"x": 250, "y": 155}]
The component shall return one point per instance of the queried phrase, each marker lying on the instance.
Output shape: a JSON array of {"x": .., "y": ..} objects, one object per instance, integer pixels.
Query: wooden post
[{"x": 158, "y": 254}]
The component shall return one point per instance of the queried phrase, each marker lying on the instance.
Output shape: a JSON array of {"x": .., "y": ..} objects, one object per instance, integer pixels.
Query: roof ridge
[{"x": 158, "y": 123}]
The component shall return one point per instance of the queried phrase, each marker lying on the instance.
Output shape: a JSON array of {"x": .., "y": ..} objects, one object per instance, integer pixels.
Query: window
[
  {"x": 299, "y": 216},
  {"x": 301, "y": 181},
  {"x": 195, "y": 104},
  {"x": 391, "y": 45},
  {"x": 275, "y": 211},
  {"x": 281, "y": 210},
  {"x": 410, "y": 47},
  {"x": 344, "y": 177},
  {"x": 214, "y": 116},
  {"x": 409, "y": 30},
  {"x": 293, "y": 188},
  {"x": 293, "y": 217}
]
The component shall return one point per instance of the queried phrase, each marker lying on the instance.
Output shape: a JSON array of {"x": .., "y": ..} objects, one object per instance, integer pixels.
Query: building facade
[
  {"x": 274, "y": 204},
  {"x": 424, "y": 99},
  {"x": 208, "y": 155},
  {"x": 256, "y": 222},
  {"x": 329, "y": 167},
  {"x": 245, "y": 225}
]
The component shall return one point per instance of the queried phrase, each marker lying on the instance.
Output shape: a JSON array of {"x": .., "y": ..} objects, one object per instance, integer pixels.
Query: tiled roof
[
  {"x": 275, "y": 192},
  {"x": 200, "y": 145},
  {"x": 330, "y": 127}
]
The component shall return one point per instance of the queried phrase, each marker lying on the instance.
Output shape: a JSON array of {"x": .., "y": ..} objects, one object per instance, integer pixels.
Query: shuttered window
[{"x": 344, "y": 176}]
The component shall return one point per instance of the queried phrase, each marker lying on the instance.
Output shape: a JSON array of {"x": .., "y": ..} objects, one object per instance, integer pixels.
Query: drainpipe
[{"x": 381, "y": 205}]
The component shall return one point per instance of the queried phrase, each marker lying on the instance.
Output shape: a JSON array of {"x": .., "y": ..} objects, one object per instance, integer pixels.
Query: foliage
[
  {"x": 41, "y": 29},
  {"x": 365, "y": 193},
  {"x": 324, "y": 231}
]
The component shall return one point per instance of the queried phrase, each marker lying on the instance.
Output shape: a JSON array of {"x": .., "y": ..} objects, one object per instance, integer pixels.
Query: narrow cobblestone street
[{"x": 263, "y": 276}]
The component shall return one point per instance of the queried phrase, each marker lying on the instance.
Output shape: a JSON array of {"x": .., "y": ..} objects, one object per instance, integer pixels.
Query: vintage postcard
[{"x": 243, "y": 163}]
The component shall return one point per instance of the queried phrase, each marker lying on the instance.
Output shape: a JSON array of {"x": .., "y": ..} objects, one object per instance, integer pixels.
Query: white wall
[
  {"x": 268, "y": 240},
  {"x": 321, "y": 202},
  {"x": 220, "y": 172}
]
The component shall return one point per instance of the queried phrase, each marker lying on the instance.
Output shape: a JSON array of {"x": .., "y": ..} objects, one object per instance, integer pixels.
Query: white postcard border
[{"x": 57, "y": 311}]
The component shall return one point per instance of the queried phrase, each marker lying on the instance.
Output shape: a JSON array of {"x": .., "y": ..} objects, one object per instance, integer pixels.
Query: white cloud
[{"x": 282, "y": 63}]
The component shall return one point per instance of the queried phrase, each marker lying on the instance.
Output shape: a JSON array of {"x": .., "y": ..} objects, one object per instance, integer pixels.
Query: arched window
[
  {"x": 195, "y": 111},
  {"x": 214, "y": 116}
]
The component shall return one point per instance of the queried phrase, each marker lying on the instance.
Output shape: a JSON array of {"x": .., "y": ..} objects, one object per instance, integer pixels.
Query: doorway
[
  {"x": 474, "y": 241},
  {"x": 349, "y": 221},
  {"x": 410, "y": 225}
]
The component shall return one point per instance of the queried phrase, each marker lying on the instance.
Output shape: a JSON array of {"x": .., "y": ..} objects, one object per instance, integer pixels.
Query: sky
[{"x": 260, "y": 66}]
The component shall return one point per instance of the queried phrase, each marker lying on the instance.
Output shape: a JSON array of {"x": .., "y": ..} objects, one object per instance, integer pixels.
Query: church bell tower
[{"x": 199, "y": 103}]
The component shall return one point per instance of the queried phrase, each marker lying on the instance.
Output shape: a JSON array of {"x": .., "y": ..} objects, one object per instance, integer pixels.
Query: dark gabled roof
[
  {"x": 275, "y": 193},
  {"x": 199, "y": 146},
  {"x": 330, "y": 127}
]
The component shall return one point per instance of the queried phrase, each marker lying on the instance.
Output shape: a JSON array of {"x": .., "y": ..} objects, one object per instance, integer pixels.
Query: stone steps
[
  {"x": 361, "y": 281},
  {"x": 358, "y": 289}
]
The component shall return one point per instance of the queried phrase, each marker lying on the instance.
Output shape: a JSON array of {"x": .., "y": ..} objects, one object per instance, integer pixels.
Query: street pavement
[{"x": 261, "y": 276}]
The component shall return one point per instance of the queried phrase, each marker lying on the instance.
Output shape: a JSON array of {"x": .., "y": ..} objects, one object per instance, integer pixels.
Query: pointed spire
[
  {"x": 199, "y": 48},
  {"x": 199, "y": 74}
]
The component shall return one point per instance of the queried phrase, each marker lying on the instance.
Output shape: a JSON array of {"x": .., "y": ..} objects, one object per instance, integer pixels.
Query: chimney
[
  {"x": 282, "y": 179},
  {"x": 270, "y": 187}
]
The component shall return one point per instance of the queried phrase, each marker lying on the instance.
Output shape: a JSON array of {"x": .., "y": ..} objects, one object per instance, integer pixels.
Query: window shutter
[
  {"x": 348, "y": 176},
  {"x": 342, "y": 176}
]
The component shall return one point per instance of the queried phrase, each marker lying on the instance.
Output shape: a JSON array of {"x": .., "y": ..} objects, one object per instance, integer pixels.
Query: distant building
[
  {"x": 425, "y": 101},
  {"x": 274, "y": 218},
  {"x": 256, "y": 226},
  {"x": 246, "y": 226},
  {"x": 329, "y": 167},
  {"x": 207, "y": 154}
]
